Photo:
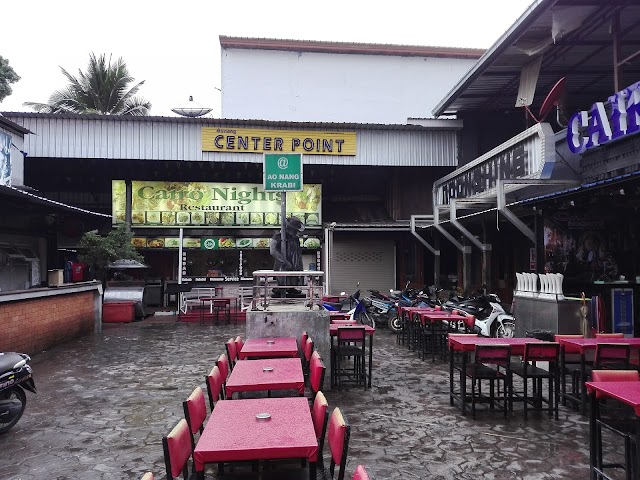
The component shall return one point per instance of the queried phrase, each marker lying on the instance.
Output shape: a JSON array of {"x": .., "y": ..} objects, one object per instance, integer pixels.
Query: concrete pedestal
[{"x": 291, "y": 321}]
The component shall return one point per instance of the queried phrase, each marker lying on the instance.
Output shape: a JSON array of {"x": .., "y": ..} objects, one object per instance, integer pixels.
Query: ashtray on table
[
  {"x": 263, "y": 416},
  {"x": 267, "y": 369},
  {"x": 271, "y": 342}
]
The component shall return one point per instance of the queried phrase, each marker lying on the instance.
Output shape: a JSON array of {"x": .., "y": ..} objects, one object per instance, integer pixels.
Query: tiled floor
[{"x": 105, "y": 401}]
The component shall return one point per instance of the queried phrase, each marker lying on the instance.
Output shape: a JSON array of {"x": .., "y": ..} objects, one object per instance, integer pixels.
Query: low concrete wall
[{"x": 291, "y": 321}]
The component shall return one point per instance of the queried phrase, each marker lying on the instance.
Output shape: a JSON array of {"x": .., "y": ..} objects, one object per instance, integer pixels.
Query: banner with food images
[
  {"x": 216, "y": 243},
  {"x": 210, "y": 205}
]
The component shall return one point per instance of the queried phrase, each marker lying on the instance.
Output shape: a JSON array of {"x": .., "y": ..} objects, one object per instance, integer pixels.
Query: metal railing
[{"x": 266, "y": 290}]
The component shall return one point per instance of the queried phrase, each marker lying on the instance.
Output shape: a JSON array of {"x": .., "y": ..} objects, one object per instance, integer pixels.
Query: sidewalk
[{"x": 104, "y": 402}]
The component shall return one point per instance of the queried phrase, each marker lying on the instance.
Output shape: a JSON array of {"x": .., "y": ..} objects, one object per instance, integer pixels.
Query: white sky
[{"x": 174, "y": 46}]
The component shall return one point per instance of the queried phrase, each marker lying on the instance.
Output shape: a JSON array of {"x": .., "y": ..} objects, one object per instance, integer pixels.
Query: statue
[{"x": 293, "y": 261}]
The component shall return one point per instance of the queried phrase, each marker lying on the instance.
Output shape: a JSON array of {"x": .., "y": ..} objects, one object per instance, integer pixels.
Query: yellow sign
[
  {"x": 254, "y": 140},
  {"x": 203, "y": 204}
]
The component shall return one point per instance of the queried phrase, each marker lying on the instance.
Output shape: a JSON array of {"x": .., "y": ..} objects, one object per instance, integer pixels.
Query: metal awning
[{"x": 573, "y": 39}]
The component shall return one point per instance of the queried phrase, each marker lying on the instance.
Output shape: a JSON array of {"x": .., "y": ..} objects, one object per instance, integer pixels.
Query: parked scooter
[
  {"x": 15, "y": 377},
  {"x": 381, "y": 308},
  {"x": 358, "y": 313},
  {"x": 491, "y": 319}
]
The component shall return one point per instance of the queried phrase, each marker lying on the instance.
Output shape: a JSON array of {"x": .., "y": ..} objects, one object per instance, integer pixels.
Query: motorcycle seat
[
  {"x": 335, "y": 305},
  {"x": 8, "y": 361}
]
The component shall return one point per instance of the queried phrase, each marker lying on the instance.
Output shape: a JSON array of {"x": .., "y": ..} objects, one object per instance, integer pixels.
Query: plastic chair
[
  {"x": 571, "y": 364},
  {"x": 195, "y": 413},
  {"x": 223, "y": 365},
  {"x": 308, "y": 351},
  {"x": 320, "y": 416},
  {"x": 616, "y": 423},
  {"x": 485, "y": 355},
  {"x": 231, "y": 352},
  {"x": 360, "y": 473},
  {"x": 239, "y": 345},
  {"x": 350, "y": 344},
  {"x": 214, "y": 386},
  {"x": 316, "y": 374},
  {"x": 338, "y": 439},
  {"x": 177, "y": 450},
  {"x": 534, "y": 353}
]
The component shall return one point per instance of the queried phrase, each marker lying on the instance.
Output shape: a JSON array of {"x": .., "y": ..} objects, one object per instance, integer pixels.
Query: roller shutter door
[{"x": 368, "y": 261}]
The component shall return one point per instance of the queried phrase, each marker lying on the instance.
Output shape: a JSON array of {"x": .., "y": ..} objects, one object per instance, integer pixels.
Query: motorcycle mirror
[
  {"x": 358, "y": 284},
  {"x": 343, "y": 293},
  {"x": 391, "y": 290}
]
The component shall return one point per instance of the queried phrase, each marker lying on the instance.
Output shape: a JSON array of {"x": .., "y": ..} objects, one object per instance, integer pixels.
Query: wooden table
[
  {"x": 368, "y": 330},
  {"x": 583, "y": 345},
  {"x": 466, "y": 344},
  {"x": 266, "y": 375},
  {"x": 279, "y": 347},
  {"x": 234, "y": 433},
  {"x": 625, "y": 392}
]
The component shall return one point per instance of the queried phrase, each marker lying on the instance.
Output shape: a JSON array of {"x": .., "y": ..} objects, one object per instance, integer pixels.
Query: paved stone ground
[{"x": 105, "y": 401}]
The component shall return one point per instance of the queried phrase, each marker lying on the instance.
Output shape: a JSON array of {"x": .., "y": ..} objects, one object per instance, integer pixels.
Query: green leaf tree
[
  {"x": 104, "y": 88},
  {"x": 99, "y": 251},
  {"x": 7, "y": 77}
]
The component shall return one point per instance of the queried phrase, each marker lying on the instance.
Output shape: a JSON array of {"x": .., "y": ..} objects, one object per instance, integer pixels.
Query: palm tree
[{"x": 104, "y": 88}]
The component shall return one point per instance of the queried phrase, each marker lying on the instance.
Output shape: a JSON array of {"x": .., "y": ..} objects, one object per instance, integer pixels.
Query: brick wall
[{"x": 31, "y": 326}]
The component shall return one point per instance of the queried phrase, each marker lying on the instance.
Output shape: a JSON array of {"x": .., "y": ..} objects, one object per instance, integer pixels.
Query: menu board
[
  {"x": 216, "y": 243},
  {"x": 210, "y": 205}
]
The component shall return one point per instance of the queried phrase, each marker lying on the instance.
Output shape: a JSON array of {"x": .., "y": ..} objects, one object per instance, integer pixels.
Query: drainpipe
[{"x": 433, "y": 250}]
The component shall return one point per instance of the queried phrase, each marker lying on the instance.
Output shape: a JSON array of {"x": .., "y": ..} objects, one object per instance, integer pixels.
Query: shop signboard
[
  {"x": 213, "y": 205},
  {"x": 590, "y": 129},
  {"x": 282, "y": 172},
  {"x": 256, "y": 140}
]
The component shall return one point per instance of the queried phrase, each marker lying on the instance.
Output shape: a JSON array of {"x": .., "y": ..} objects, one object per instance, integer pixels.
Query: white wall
[{"x": 303, "y": 86}]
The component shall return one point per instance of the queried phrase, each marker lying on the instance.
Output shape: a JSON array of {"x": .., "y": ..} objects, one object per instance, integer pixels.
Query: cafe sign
[
  {"x": 211, "y": 205},
  {"x": 598, "y": 126},
  {"x": 254, "y": 140}
]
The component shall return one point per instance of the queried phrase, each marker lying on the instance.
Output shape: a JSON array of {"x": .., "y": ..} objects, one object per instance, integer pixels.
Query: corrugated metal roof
[
  {"x": 251, "y": 43},
  {"x": 583, "y": 55},
  {"x": 13, "y": 127},
  {"x": 227, "y": 122},
  {"x": 180, "y": 139},
  {"x": 30, "y": 197}
]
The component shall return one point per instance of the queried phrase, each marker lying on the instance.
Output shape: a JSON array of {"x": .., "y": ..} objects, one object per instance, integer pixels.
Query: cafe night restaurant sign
[
  {"x": 591, "y": 129},
  {"x": 210, "y": 205},
  {"x": 253, "y": 140}
]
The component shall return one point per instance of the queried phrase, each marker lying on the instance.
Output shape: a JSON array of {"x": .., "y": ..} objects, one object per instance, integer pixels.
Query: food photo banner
[
  {"x": 254, "y": 140},
  {"x": 216, "y": 243},
  {"x": 207, "y": 205}
]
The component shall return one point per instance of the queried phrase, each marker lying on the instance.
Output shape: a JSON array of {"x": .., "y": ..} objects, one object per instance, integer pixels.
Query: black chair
[
  {"x": 481, "y": 369},
  {"x": 528, "y": 370},
  {"x": 350, "y": 344}
]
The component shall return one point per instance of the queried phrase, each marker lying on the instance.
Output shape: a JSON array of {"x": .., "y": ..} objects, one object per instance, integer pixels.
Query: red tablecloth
[
  {"x": 625, "y": 392},
  {"x": 333, "y": 328},
  {"x": 440, "y": 316},
  {"x": 468, "y": 343},
  {"x": 233, "y": 433},
  {"x": 259, "y": 348},
  {"x": 584, "y": 344},
  {"x": 250, "y": 376}
]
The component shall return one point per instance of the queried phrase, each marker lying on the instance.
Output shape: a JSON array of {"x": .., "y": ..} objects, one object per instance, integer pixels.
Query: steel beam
[{"x": 454, "y": 221}]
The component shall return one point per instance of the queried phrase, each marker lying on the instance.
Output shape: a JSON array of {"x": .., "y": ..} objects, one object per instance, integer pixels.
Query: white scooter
[{"x": 491, "y": 320}]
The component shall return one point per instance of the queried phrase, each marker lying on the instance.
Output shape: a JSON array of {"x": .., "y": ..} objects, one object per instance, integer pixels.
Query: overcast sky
[{"x": 174, "y": 47}]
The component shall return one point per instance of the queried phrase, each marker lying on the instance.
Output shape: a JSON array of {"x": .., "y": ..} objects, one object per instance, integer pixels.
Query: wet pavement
[{"x": 105, "y": 401}]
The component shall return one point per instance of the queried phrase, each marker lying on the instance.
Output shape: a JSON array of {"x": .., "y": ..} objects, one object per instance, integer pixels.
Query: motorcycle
[
  {"x": 491, "y": 319},
  {"x": 381, "y": 308},
  {"x": 358, "y": 313},
  {"x": 16, "y": 376}
]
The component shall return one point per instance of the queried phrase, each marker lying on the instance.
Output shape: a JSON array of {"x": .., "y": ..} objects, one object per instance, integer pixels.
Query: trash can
[
  {"x": 118, "y": 312},
  {"x": 545, "y": 335}
]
